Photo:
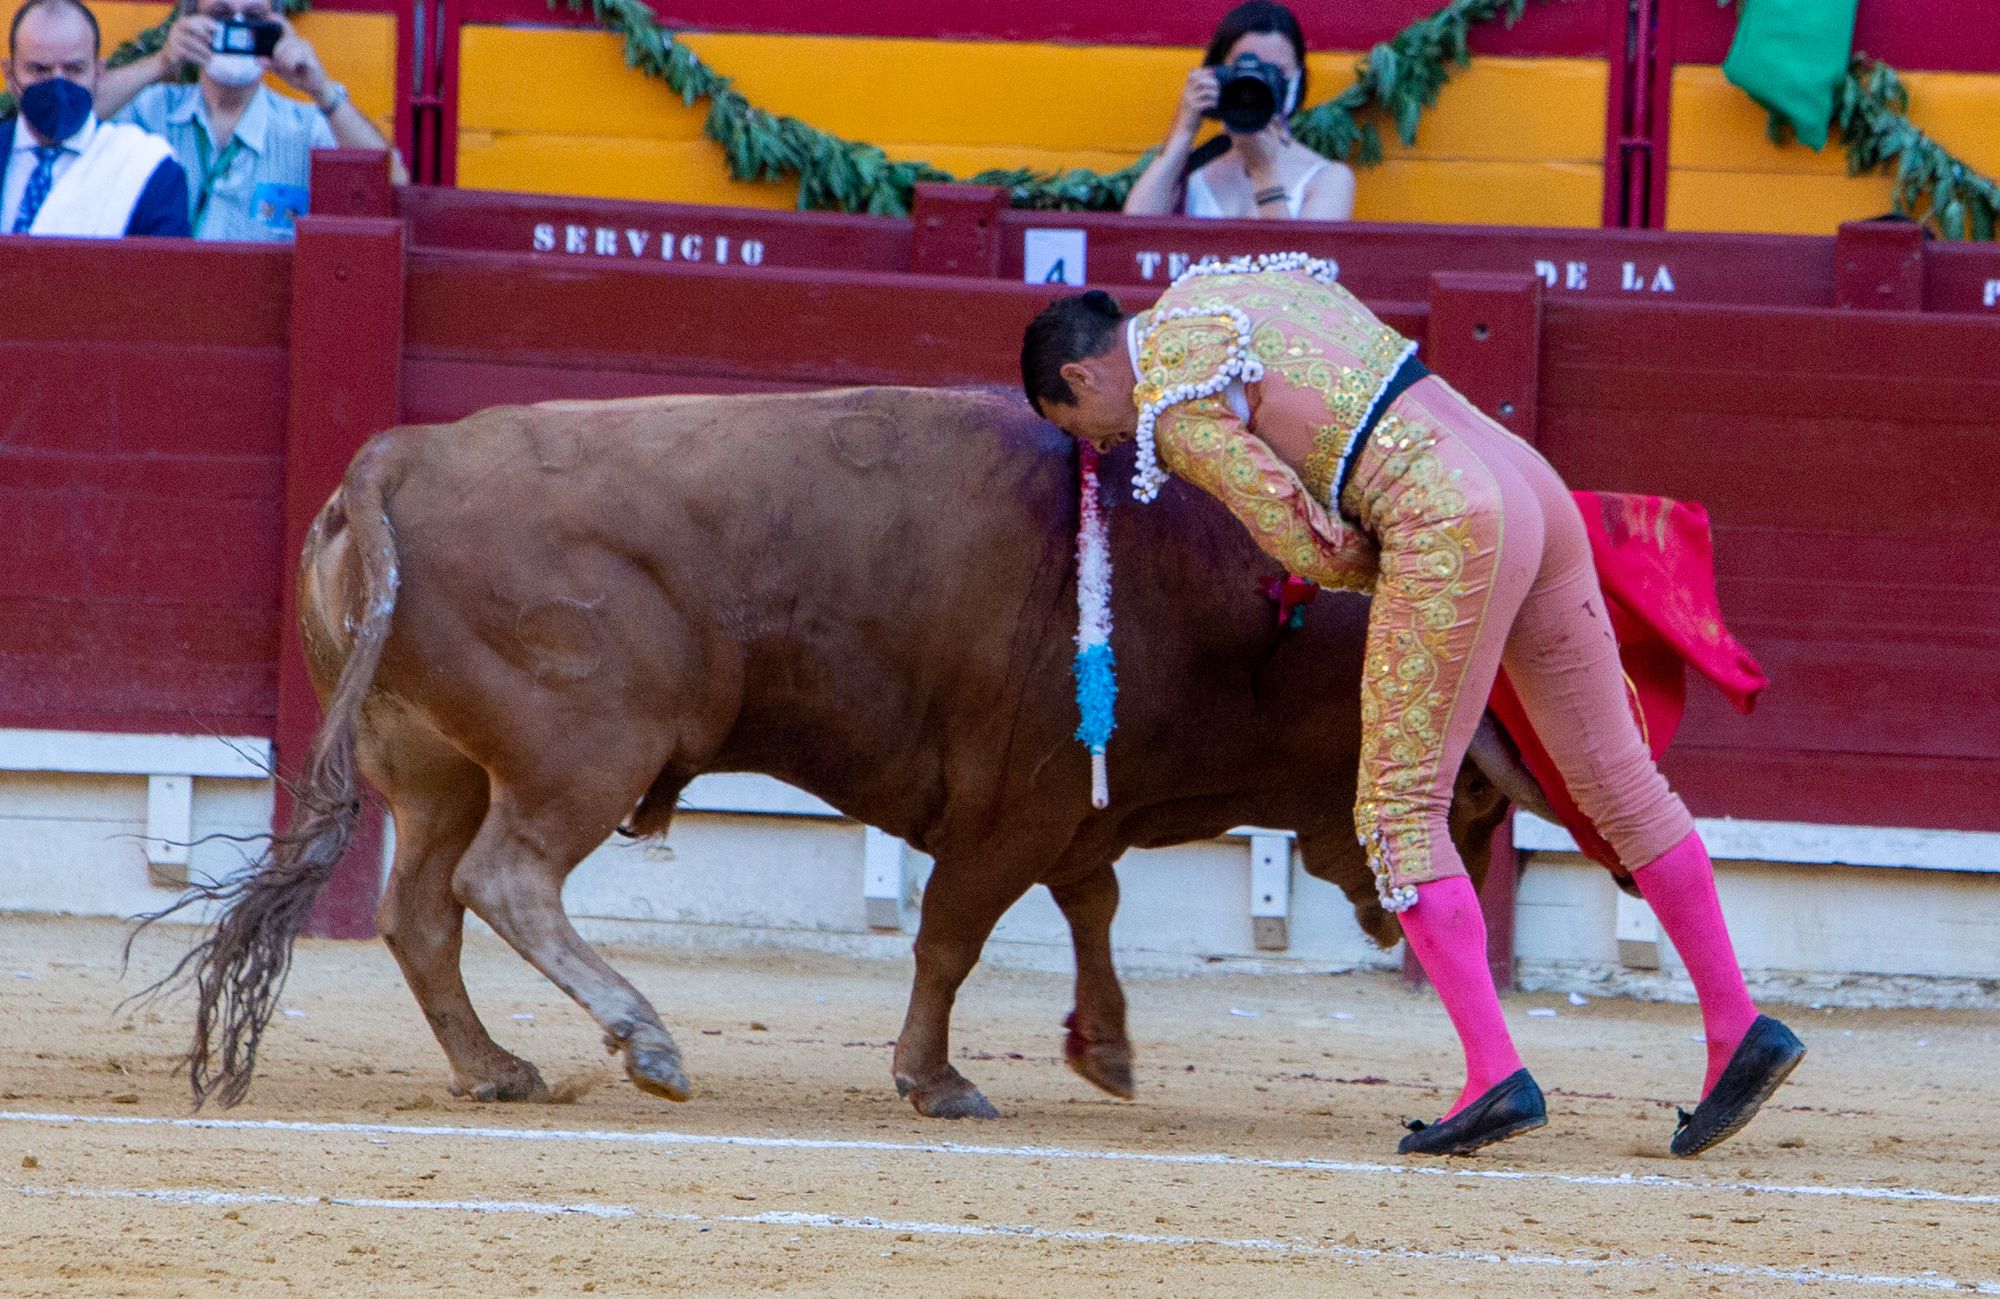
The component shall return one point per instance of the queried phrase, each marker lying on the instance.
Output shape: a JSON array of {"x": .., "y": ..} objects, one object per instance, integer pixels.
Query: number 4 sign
[{"x": 1053, "y": 257}]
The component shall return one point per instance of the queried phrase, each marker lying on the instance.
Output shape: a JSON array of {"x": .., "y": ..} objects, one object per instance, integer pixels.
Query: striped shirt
[{"x": 252, "y": 189}]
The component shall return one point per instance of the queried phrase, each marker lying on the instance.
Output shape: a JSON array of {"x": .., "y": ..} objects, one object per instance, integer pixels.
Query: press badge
[{"x": 277, "y": 207}]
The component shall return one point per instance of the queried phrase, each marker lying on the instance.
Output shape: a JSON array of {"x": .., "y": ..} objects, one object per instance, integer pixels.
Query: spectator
[
  {"x": 248, "y": 152},
  {"x": 1256, "y": 174},
  {"x": 63, "y": 172}
]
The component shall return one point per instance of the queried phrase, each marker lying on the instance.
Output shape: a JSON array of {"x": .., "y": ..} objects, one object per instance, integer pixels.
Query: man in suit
[{"x": 63, "y": 172}]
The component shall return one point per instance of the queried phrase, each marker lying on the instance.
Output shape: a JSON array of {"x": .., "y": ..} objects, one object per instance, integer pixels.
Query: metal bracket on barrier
[
  {"x": 168, "y": 762},
  {"x": 1270, "y": 890},
  {"x": 169, "y": 826},
  {"x": 882, "y": 879},
  {"x": 1638, "y": 934}
]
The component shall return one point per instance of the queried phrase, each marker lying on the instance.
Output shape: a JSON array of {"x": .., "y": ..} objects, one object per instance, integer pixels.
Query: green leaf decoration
[
  {"x": 1872, "y": 120},
  {"x": 1400, "y": 78}
]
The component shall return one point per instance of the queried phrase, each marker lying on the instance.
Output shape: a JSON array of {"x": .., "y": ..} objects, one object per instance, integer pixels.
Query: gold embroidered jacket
[{"x": 1325, "y": 357}]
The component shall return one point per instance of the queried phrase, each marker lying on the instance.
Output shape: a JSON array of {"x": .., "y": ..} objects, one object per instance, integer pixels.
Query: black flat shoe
[
  {"x": 1510, "y": 1107},
  {"x": 1764, "y": 1058}
]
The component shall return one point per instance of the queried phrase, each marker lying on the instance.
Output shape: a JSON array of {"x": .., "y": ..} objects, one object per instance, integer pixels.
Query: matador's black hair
[{"x": 1069, "y": 329}]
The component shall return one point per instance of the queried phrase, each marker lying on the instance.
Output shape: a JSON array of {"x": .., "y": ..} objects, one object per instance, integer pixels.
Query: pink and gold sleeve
[{"x": 1204, "y": 442}]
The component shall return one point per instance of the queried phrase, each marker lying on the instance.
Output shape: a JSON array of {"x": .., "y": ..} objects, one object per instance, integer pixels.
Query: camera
[
  {"x": 246, "y": 36},
  {"x": 1252, "y": 91}
]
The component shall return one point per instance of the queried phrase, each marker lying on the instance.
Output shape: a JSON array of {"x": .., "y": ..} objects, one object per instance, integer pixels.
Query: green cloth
[{"x": 1791, "y": 56}]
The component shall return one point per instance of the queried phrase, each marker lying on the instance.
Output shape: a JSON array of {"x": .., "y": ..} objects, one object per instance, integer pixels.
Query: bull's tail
[{"x": 238, "y": 968}]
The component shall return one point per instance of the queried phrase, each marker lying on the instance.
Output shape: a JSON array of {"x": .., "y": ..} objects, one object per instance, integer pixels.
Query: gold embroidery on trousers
[{"x": 1419, "y": 509}]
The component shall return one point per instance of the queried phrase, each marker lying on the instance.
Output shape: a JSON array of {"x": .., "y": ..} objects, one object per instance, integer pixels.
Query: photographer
[
  {"x": 248, "y": 152},
  {"x": 1252, "y": 77}
]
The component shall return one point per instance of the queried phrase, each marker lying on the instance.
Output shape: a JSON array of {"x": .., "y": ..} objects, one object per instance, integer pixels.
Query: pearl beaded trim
[
  {"x": 1148, "y": 478},
  {"x": 1396, "y": 901},
  {"x": 1241, "y": 365}
]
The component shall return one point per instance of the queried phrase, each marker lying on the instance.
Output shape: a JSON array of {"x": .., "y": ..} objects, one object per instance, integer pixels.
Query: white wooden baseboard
[{"x": 1801, "y": 842}]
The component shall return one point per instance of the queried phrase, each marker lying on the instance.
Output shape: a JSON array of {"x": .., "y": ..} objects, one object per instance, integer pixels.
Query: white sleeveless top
[{"x": 1201, "y": 200}]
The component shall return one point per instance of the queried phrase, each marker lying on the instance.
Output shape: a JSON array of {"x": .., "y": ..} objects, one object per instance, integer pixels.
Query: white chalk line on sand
[
  {"x": 1348, "y": 1254},
  {"x": 1646, "y": 1181}
]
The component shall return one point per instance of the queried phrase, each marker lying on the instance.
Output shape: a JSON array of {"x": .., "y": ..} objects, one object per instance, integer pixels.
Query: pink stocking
[
  {"x": 1448, "y": 935},
  {"x": 1680, "y": 887}
]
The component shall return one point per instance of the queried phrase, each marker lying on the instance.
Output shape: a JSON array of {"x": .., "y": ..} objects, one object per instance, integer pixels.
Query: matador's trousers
[{"x": 1484, "y": 562}]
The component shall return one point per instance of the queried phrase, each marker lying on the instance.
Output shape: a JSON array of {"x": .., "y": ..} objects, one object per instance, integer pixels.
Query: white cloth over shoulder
[{"x": 94, "y": 197}]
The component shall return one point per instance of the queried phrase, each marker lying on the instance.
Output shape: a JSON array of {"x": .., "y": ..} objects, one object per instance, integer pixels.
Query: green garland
[
  {"x": 1402, "y": 76},
  {"x": 1872, "y": 118},
  {"x": 1932, "y": 186}
]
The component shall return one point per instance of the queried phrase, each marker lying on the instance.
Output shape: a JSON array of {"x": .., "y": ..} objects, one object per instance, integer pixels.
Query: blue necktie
[{"x": 39, "y": 185}]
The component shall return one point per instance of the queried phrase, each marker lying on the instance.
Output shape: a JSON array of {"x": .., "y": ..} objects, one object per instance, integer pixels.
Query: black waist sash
[{"x": 1398, "y": 383}]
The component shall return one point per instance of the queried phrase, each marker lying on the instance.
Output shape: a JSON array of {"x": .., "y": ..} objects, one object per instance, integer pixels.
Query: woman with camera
[{"x": 1253, "y": 78}]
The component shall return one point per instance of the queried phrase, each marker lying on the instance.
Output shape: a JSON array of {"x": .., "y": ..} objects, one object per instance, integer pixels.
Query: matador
[{"x": 1268, "y": 385}]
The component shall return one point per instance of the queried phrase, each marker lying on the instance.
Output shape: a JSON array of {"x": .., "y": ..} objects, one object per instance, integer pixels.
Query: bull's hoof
[
  {"x": 1105, "y": 1065},
  {"x": 654, "y": 1066},
  {"x": 514, "y": 1080},
  {"x": 949, "y": 1096}
]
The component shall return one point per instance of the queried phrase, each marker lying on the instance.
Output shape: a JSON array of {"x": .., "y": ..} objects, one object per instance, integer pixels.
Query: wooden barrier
[
  {"x": 140, "y": 481},
  {"x": 968, "y": 231},
  {"x": 621, "y": 230},
  {"x": 184, "y": 408},
  {"x": 1853, "y": 547}
]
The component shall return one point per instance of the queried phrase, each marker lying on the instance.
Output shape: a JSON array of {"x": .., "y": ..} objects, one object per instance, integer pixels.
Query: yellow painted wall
[
  {"x": 1511, "y": 140},
  {"x": 1725, "y": 174},
  {"x": 358, "y": 50}
]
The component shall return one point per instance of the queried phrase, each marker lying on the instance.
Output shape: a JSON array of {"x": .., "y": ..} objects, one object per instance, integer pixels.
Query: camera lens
[
  {"x": 1248, "y": 94},
  {"x": 1246, "y": 105}
]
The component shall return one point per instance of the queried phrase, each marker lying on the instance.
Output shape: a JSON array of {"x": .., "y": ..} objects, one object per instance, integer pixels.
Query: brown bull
[{"x": 527, "y": 623}]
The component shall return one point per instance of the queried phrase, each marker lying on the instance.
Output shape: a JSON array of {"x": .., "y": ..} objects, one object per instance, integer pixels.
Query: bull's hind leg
[
  {"x": 1096, "y": 1046},
  {"x": 439, "y": 798},
  {"x": 512, "y": 878}
]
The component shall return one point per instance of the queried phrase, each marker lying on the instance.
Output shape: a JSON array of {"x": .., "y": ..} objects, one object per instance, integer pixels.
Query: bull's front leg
[
  {"x": 962, "y": 903},
  {"x": 1096, "y": 1046}
]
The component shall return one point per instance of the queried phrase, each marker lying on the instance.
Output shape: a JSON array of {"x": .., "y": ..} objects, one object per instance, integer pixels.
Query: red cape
[{"x": 1656, "y": 564}]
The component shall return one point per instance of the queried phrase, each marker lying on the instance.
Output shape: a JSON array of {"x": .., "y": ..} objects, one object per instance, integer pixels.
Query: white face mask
[{"x": 233, "y": 70}]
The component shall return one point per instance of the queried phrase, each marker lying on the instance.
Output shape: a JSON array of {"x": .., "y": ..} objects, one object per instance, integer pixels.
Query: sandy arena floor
[{"x": 1258, "y": 1161}]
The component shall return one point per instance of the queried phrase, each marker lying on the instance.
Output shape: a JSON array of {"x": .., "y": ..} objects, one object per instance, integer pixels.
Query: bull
[{"x": 539, "y": 623}]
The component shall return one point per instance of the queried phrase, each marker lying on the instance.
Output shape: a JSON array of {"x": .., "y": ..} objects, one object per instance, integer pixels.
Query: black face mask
[{"x": 56, "y": 108}]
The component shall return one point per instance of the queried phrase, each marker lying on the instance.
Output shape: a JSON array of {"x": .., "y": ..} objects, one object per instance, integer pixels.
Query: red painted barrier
[
  {"x": 180, "y": 410},
  {"x": 627, "y": 231},
  {"x": 346, "y": 379},
  {"x": 967, "y": 230},
  {"x": 1853, "y": 548},
  {"x": 1569, "y": 27},
  {"x": 141, "y": 429},
  {"x": 1395, "y": 262},
  {"x": 1938, "y": 36},
  {"x": 1941, "y": 35}
]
